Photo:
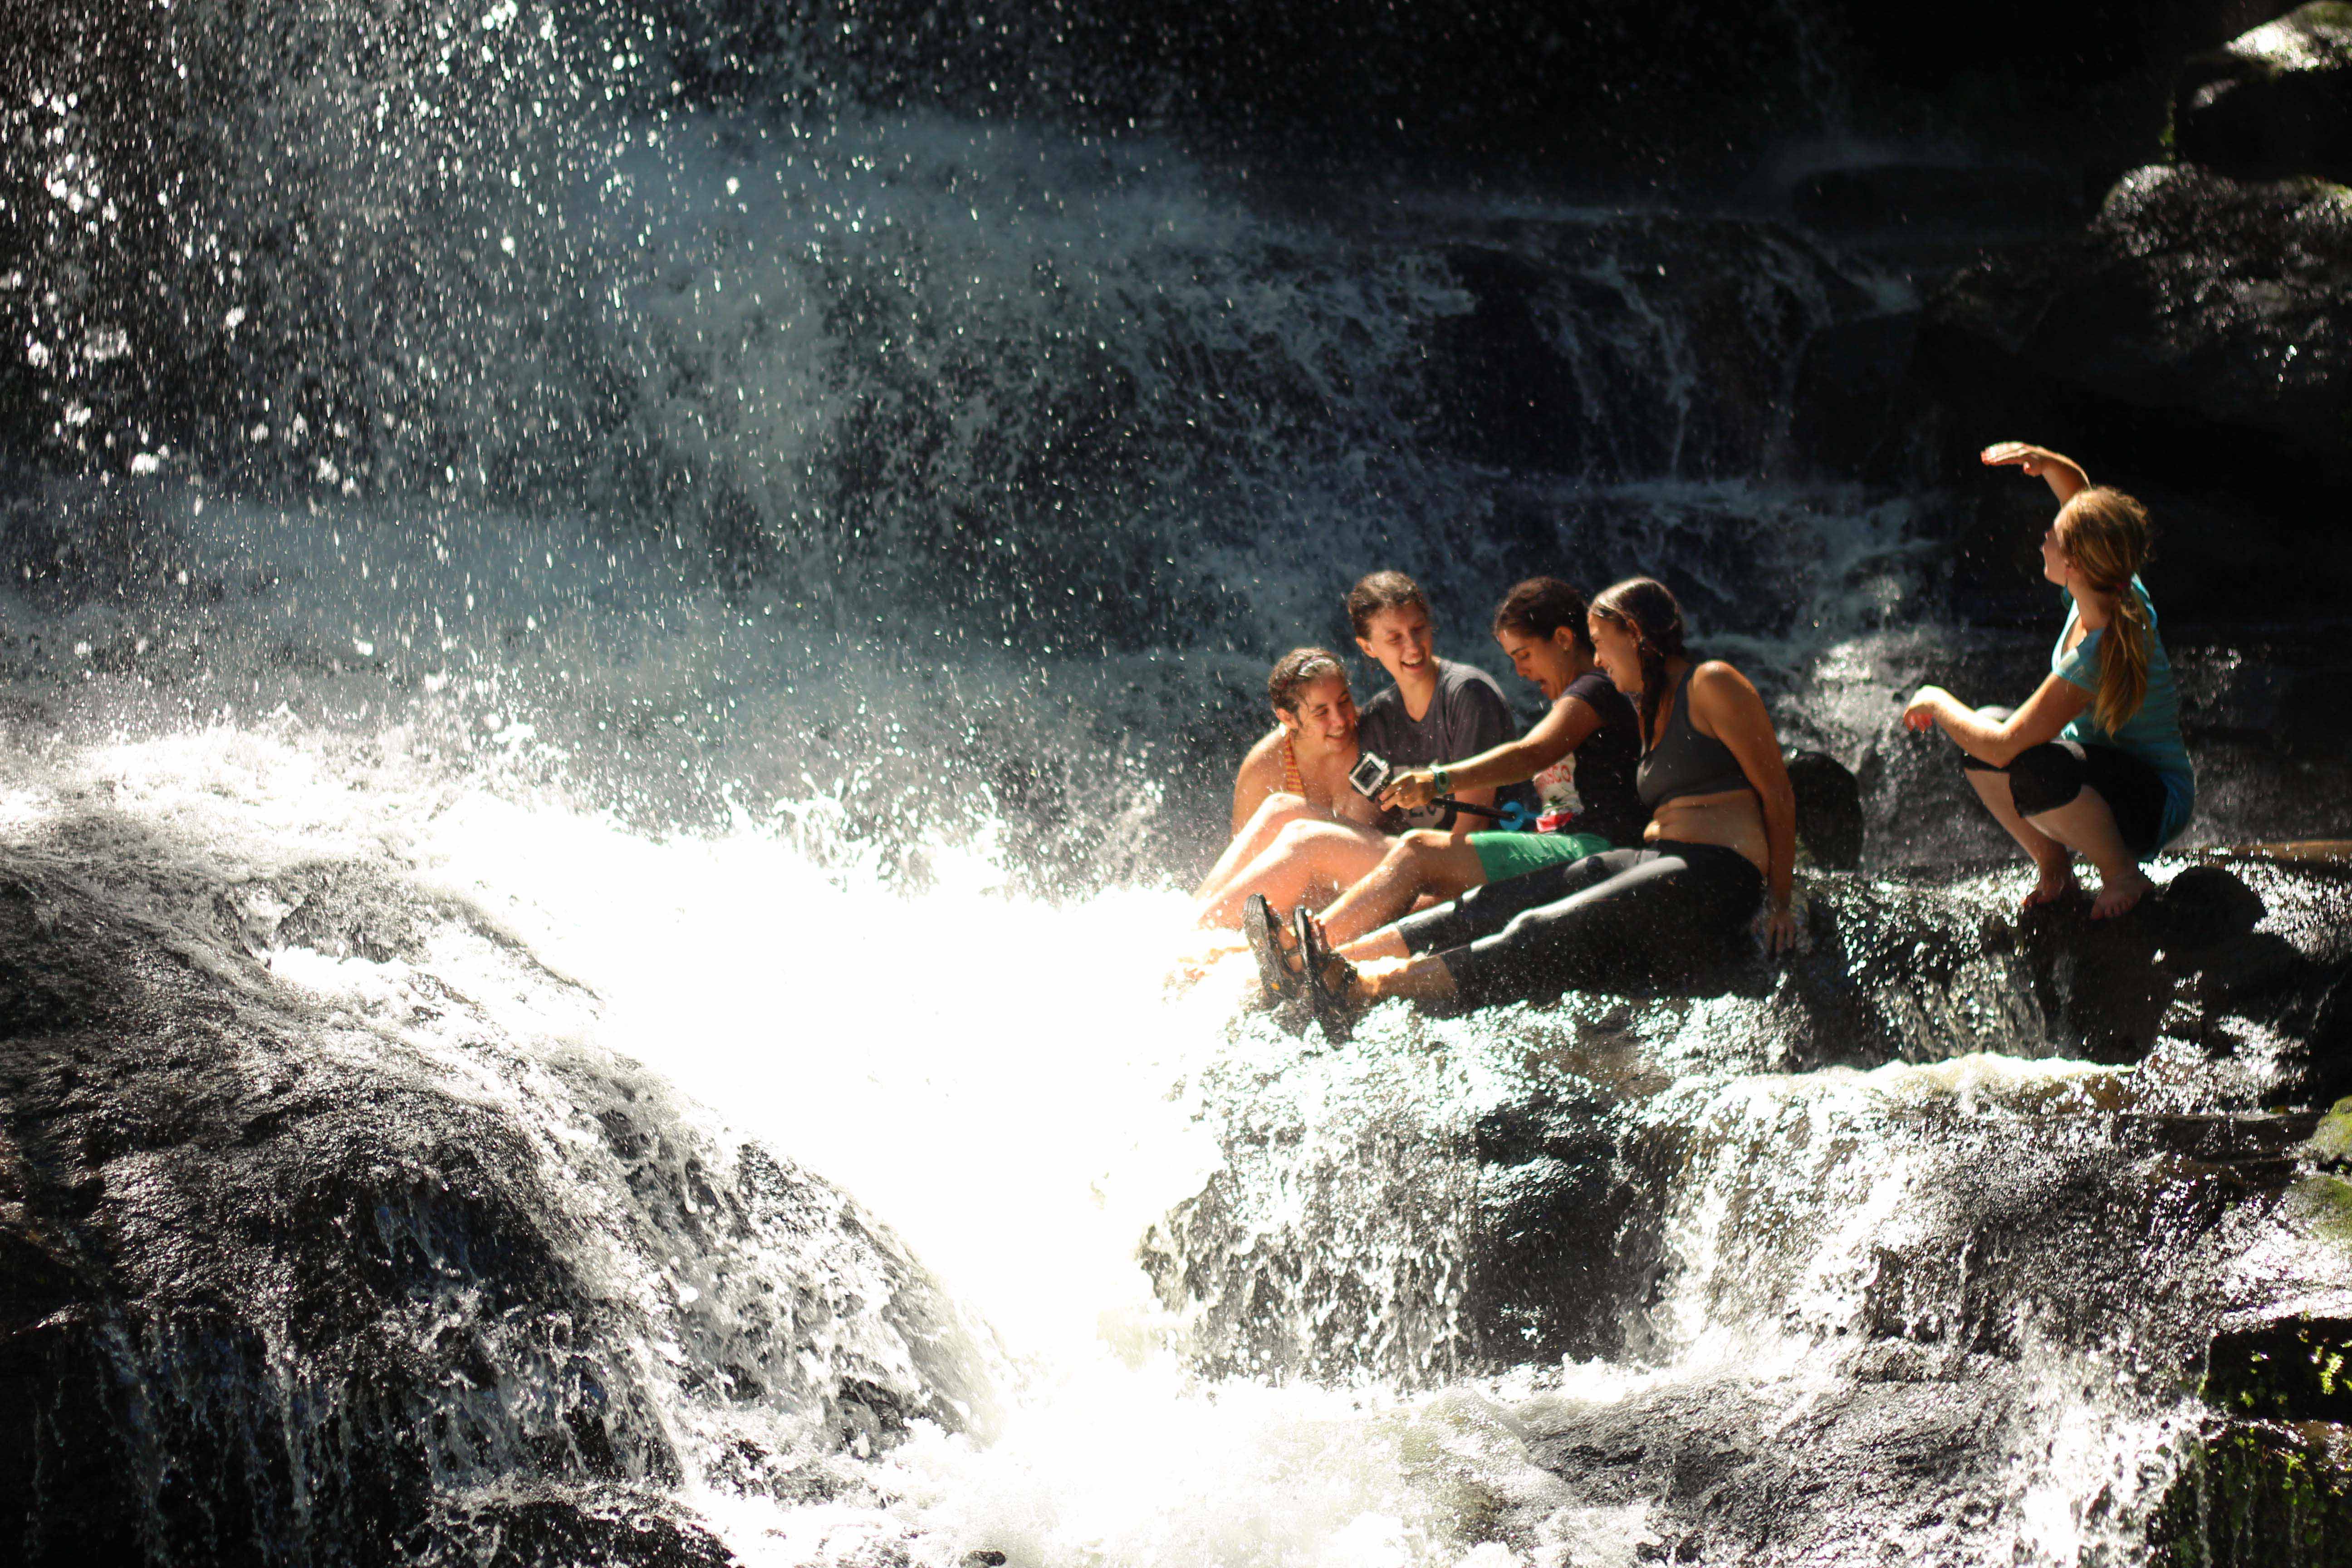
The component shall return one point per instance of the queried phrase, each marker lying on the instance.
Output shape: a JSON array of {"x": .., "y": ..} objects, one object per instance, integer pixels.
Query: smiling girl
[
  {"x": 2094, "y": 764},
  {"x": 1296, "y": 823}
]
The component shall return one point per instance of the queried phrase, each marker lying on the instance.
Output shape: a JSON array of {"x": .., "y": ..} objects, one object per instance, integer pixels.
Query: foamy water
[{"x": 1008, "y": 1082}]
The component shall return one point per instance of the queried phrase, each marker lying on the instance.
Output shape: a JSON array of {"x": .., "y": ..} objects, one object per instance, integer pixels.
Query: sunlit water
[
  {"x": 1018, "y": 454},
  {"x": 1010, "y": 1082}
]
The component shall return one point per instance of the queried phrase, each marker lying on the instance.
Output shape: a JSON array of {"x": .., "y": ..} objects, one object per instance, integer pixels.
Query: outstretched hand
[
  {"x": 2064, "y": 476},
  {"x": 2034, "y": 460},
  {"x": 1921, "y": 711},
  {"x": 1779, "y": 932}
]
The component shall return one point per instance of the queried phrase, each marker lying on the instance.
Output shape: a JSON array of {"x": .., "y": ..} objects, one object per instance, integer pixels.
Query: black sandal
[
  {"x": 1263, "y": 929},
  {"x": 1330, "y": 979}
]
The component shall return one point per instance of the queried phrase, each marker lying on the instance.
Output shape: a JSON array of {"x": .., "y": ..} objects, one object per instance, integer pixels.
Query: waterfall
[{"x": 672, "y": 590}]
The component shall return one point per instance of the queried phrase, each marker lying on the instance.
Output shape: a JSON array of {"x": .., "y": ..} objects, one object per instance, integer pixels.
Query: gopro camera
[{"x": 1370, "y": 775}]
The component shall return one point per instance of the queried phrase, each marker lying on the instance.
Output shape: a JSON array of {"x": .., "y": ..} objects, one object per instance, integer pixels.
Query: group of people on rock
[{"x": 1647, "y": 819}]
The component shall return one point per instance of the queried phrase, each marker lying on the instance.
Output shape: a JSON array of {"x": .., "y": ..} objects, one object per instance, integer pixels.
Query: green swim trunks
[{"x": 1503, "y": 856}]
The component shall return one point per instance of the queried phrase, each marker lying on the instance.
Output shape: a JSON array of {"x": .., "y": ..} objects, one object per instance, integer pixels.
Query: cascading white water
[
  {"x": 1001, "y": 1076},
  {"x": 784, "y": 572}
]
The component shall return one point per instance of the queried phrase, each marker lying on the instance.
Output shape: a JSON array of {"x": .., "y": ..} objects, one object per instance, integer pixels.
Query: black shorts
[
  {"x": 1620, "y": 917},
  {"x": 2045, "y": 777}
]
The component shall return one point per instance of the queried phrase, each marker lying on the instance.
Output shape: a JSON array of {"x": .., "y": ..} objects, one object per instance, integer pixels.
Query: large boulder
[
  {"x": 2274, "y": 101},
  {"x": 1859, "y": 1269},
  {"x": 2187, "y": 345},
  {"x": 1484, "y": 1192},
  {"x": 278, "y": 1284}
]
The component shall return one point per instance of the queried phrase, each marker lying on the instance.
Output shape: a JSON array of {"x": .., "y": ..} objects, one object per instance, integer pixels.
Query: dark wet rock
[
  {"x": 272, "y": 1280},
  {"x": 1829, "y": 810},
  {"x": 2283, "y": 1369},
  {"x": 2274, "y": 101},
  {"x": 1632, "y": 347},
  {"x": 2195, "y": 315},
  {"x": 2259, "y": 1494},
  {"x": 548, "y": 1526},
  {"x": 1493, "y": 1190},
  {"x": 1852, "y": 372},
  {"x": 1897, "y": 1456}
]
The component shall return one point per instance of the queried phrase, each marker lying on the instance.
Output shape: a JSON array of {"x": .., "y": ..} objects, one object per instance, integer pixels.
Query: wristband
[{"x": 1441, "y": 779}]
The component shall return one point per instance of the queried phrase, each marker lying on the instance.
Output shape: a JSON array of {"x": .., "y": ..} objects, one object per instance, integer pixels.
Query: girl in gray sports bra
[{"x": 1685, "y": 762}]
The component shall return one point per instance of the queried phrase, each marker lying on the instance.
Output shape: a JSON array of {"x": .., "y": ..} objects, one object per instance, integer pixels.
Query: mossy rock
[
  {"x": 2292, "y": 1369},
  {"x": 2259, "y": 1494}
]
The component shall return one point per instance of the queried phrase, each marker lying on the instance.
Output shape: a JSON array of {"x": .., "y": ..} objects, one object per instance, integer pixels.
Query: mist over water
[{"x": 796, "y": 573}]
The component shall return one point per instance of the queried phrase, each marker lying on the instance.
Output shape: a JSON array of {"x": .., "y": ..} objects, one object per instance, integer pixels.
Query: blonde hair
[{"x": 2104, "y": 533}]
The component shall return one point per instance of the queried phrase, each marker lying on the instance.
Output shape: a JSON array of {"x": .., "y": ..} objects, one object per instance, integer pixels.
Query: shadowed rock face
[
  {"x": 2276, "y": 101},
  {"x": 2199, "y": 312},
  {"x": 2192, "y": 303},
  {"x": 274, "y": 1287}
]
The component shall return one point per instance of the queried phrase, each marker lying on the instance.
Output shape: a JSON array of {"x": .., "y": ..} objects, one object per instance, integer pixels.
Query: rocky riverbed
[{"x": 2151, "y": 1211}]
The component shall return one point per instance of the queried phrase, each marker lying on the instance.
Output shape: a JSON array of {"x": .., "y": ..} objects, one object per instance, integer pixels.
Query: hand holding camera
[{"x": 1412, "y": 790}]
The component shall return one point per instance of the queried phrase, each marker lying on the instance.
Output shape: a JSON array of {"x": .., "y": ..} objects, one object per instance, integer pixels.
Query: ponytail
[
  {"x": 2123, "y": 663},
  {"x": 2105, "y": 533}
]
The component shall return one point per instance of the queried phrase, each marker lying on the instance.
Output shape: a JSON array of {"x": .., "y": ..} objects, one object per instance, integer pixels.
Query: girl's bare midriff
[{"x": 1732, "y": 817}]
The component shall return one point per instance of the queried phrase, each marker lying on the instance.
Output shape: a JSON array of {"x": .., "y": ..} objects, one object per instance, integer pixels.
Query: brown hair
[
  {"x": 1540, "y": 606},
  {"x": 1382, "y": 590},
  {"x": 1295, "y": 669},
  {"x": 2105, "y": 534},
  {"x": 1645, "y": 609}
]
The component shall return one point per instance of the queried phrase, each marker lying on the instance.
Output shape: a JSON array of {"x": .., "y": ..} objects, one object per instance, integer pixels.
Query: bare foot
[
  {"x": 2118, "y": 894},
  {"x": 1197, "y": 962},
  {"x": 2056, "y": 882},
  {"x": 1373, "y": 974}
]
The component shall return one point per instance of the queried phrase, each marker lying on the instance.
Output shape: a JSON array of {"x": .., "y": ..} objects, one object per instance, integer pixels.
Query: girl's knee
[
  {"x": 1303, "y": 830},
  {"x": 1419, "y": 843},
  {"x": 1279, "y": 807},
  {"x": 2044, "y": 778}
]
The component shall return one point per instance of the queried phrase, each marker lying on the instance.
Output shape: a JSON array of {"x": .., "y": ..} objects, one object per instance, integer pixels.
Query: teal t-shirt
[{"x": 2152, "y": 734}]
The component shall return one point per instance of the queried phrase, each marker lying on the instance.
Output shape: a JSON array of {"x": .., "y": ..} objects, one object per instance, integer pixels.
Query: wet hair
[
  {"x": 2105, "y": 534},
  {"x": 1645, "y": 609},
  {"x": 1540, "y": 606},
  {"x": 1382, "y": 590},
  {"x": 1297, "y": 669}
]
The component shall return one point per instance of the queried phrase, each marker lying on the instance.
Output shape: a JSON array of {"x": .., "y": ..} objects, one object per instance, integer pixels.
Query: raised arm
[
  {"x": 2064, "y": 476},
  {"x": 2053, "y": 705},
  {"x": 1724, "y": 705},
  {"x": 1568, "y": 725}
]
